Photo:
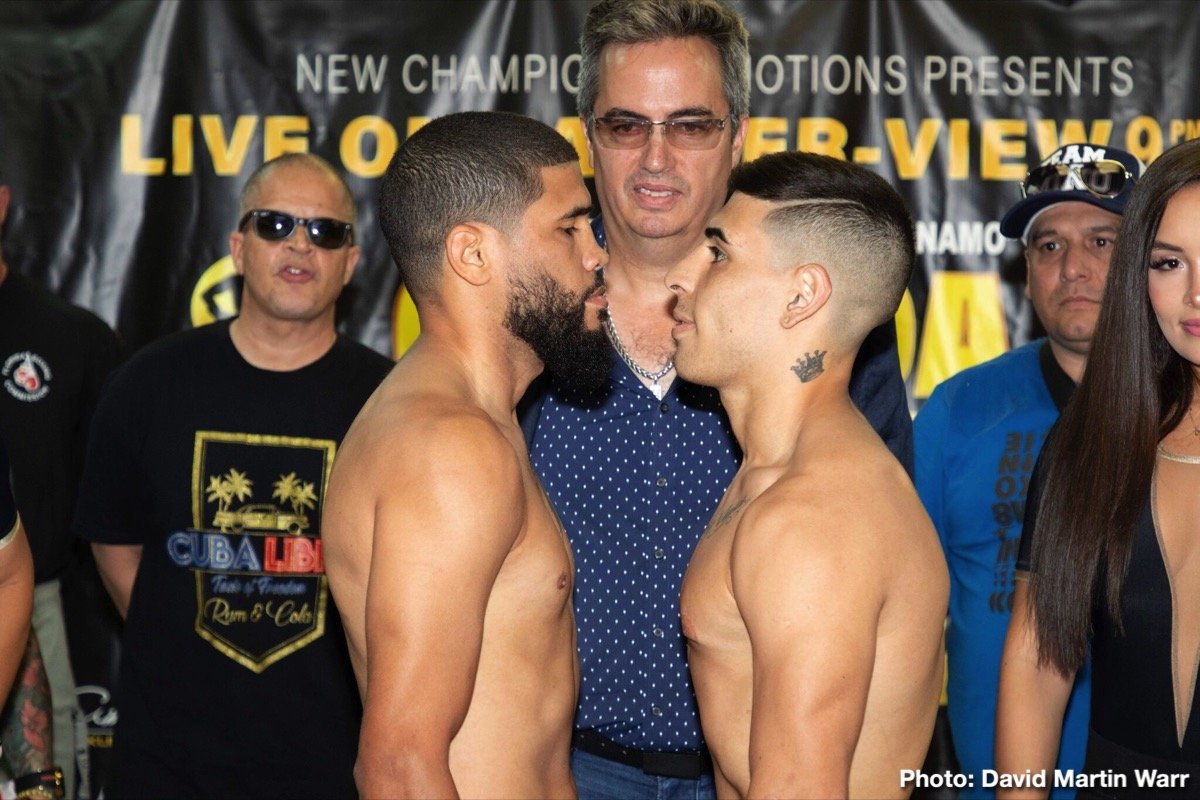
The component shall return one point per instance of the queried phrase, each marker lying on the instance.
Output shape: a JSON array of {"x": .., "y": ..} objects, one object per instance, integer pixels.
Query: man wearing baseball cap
[{"x": 979, "y": 434}]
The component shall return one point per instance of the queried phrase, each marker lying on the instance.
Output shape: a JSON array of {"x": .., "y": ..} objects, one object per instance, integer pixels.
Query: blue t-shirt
[{"x": 976, "y": 441}]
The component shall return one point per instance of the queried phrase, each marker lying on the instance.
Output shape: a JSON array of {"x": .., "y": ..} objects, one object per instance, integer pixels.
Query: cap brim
[{"x": 1015, "y": 221}]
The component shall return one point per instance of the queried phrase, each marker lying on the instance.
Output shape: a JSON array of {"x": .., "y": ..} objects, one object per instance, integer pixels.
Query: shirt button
[
  {"x": 660, "y": 553},
  {"x": 665, "y": 407},
  {"x": 661, "y": 482},
  {"x": 658, "y": 631},
  {"x": 656, "y": 711}
]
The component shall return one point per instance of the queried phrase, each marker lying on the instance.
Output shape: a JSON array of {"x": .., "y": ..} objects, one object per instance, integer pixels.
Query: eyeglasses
[
  {"x": 1103, "y": 178},
  {"x": 275, "y": 226},
  {"x": 686, "y": 133}
]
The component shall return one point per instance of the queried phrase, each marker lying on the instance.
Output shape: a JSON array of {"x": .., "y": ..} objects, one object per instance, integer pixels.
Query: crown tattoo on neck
[{"x": 809, "y": 367}]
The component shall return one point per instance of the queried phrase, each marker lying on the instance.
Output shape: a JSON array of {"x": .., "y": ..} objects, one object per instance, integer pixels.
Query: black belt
[{"x": 664, "y": 765}]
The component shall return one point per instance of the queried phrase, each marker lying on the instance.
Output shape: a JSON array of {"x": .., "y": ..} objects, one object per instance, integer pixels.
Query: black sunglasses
[
  {"x": 1104, "y": 178},
  {"x": 275, "y": 226}
]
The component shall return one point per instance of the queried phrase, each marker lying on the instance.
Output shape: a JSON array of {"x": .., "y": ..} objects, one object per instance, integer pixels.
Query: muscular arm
[
  {"x": 118, "y": 566},
  {"x": 1031, "y": 702},
  {"x": 16, "y": 600},
  {"x": 813, "y": 646},
  {"x": 444, "y": 522}
]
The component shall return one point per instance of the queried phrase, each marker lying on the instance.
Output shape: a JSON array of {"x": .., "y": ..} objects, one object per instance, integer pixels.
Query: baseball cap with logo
[{"x": 1097, "y": 174}]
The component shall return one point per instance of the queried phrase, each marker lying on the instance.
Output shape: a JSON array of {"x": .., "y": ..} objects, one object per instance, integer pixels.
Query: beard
[{"x": 550, "y": 320}]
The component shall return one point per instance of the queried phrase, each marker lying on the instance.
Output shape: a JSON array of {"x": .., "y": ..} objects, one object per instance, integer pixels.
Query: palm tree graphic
[
  {"x": 301, "y": 494},
  {"x": 224, "y": 488}
]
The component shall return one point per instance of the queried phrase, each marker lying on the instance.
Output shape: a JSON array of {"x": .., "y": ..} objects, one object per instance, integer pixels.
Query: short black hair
[
  {"x": 473, "y": 166},
  {"x": 848, "y": 214}
]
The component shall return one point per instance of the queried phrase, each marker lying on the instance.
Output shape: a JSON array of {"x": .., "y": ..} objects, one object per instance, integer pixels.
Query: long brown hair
[{"x": 1097, "y": 465}]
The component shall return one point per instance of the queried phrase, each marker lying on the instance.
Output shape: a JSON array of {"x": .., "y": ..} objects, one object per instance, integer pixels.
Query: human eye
[
  {"x": 1104, "y": 241},
  {"x": 692, "y": 128},
  {"x": 1164, "y": 263},
  {"x": 625, "y": 126},
  {"x": 716, "y": 254}
]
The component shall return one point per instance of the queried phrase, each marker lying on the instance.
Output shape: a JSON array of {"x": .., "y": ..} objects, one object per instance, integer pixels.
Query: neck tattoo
[
  {"x": 812, "y": 365},
  {"x": 638, "y": 369}
]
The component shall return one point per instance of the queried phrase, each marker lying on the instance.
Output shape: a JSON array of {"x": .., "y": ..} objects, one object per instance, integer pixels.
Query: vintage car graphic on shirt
[{"x": 254, "y": 547}]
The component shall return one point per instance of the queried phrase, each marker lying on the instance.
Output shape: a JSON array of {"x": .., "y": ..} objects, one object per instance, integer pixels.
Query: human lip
[
  {"x": 655, "y": 194},
  {"x": 292, "y": 273},
  {"x": 1078, "y": 300},
  {"x": 598, "y": 298},
  {"x": 1192, "y": 326},
  {"x": 682, "y": 325}
]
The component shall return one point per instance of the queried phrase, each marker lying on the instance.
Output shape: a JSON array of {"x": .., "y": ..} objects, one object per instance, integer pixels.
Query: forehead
[
  {"x": 658, "y": 78},
  {"x": 1072, "y": 216},
  {"x": 1180, "y": 215},
  {"x": 304, "y": 191},
  {"x": 563, "y": 192},
  {"x": 741, "y": 220}
]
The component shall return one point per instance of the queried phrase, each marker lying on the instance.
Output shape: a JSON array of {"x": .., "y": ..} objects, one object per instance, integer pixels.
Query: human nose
[
  {"x": 1193, "y": 287},
  {"x": 1075, "y": 264},
  {"x": 656, "y": 153},
  {"x": 299, "y": 240},
  {"x": 681, "y": 278},
  {"x": 595, "y": 257}
]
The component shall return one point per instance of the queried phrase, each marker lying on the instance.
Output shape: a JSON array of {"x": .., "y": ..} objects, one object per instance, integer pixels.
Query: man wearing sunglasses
[
  {"x": 202, "y": 497},
  {"x": 664, "y": 94},
  {"x": 979, "y": 434}
]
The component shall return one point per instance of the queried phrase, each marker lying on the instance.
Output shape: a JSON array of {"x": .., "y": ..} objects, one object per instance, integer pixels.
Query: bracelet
[{"x": 44, "y": 785}]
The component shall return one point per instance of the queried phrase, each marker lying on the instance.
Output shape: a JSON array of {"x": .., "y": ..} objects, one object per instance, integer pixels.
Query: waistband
[{"x": 660, "y": 764}]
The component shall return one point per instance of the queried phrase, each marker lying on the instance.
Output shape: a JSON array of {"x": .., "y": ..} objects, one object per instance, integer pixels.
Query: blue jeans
[{"x": 598, "y": 778}]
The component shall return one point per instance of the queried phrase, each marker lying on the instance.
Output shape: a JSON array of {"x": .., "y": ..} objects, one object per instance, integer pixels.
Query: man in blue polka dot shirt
[{"x": 636, "y": 471}]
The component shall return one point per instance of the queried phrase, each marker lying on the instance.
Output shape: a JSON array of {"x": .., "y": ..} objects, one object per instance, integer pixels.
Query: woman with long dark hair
[{"x": 1112, "y": 542}]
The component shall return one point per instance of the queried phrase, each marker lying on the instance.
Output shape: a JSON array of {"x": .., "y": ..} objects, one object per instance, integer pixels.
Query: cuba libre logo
[
  {"x": 26, "y": 376},
  {"x": 271, "y": 555}
]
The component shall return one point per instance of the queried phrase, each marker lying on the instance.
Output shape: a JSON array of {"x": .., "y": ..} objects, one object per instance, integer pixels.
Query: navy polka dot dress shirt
[{"x": 635, "y": 480}]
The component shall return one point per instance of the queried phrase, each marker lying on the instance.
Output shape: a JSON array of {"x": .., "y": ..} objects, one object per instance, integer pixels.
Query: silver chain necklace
[{"x": 653, "y": 377}]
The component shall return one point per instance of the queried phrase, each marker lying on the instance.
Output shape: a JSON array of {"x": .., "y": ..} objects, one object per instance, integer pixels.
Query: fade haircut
[
  {"x": 843, "y": 216},
  {"x": 253, "y": 187},
  {"x": 473, "y": 166},
  {"x": 645, "y": 21}
]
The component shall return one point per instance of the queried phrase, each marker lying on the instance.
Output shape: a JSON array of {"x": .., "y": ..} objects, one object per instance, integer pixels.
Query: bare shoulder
[
  {"x": 425, "y": 435},
  {"x": 850, "y": 508}
]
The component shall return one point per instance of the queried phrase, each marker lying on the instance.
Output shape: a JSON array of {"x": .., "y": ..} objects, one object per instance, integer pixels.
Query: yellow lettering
[
  {"x": 764, "y": 135},
  {"x": 221, "y": 612},
  {"x": 824, "y": 135},
  {"x": 132, "y": 160},
  {"x": 1144, "y": 138},
  {"x": 284, "y": 134},
  {"x": 1184, "y": 130},
  {"x": 964, "y": 326},
  {"x": 227, "y": 156},
  {"x": 911, "y": 160},
  {"x": 960, "y": 150},
  {"x": 1049, "y": 139},
  {"x": 415, "y": 124},
  {"x": 351, "y": 147},
  {"x": 1002, "y": 138},
  {"x": 571, "y": 129},
  {"x": 182, "y": 153},
  {"x": 406, "y": 326},
  {"x": 906, "y": 333}
]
